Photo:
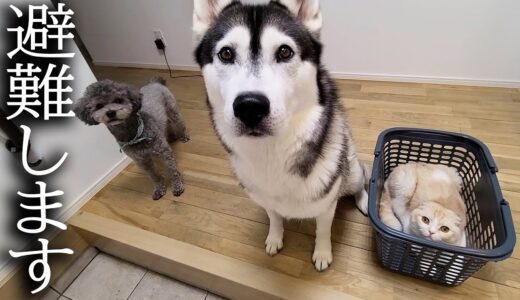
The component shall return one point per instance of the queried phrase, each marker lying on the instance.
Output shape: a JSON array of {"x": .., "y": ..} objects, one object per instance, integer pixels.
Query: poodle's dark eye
[
  {"x": 118, "y": 100},
  {"x": 227, "y": 55},
  {"x": 99, "y": 106},
  {"x": 284, "y": 54}
]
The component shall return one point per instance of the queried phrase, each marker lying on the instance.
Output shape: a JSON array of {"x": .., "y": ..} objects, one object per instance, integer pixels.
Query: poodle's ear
[
  {"x": 135, "y": 96},
  {"x": 81, "y": 111}
]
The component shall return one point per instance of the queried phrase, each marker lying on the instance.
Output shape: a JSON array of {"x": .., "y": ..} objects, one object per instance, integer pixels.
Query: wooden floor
[{"x": 214, "y": 213}]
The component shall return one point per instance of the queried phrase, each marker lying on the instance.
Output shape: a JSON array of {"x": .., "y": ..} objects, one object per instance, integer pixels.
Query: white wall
[
  {"x": 93, "y": 156},
  {"x": 121, "y": 31},
  {"x": 463, "y": 41}
]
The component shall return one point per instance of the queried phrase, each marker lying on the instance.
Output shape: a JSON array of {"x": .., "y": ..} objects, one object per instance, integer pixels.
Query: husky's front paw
[
  {"x": 273, "y": 244},
  {"x": 321, "y": 259},
  {"x": 159, "y": 192},
  {"x": 362, "y": 201}
]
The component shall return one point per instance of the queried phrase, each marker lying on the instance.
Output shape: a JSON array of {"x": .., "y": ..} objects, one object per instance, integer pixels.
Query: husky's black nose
[{"x": 251, "y": 108}]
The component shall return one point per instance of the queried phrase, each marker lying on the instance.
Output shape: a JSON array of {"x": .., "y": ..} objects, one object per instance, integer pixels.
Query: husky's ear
[
  {"x": 307, "y": 11},
  {"x": 204, "y": 13}
]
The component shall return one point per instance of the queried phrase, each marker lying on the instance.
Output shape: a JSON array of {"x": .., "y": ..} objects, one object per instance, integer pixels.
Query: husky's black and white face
[{"x": 259, "y": 62}]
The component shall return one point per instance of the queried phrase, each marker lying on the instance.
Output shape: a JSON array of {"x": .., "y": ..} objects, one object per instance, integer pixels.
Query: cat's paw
[
  {"x": 322, "y": 258},
  {"x": 273, "y": 244},
  {"x": 394, "y": 223}
]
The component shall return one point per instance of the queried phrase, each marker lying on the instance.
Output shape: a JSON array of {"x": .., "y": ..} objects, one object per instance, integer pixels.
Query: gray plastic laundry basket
[{"x": 490, "y": 232}]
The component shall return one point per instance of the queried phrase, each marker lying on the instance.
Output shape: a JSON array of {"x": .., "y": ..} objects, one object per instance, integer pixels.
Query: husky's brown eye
[
  {"x": 284, "y": 54},
  {"x": 118, "y": 100},
  {"x": 425, "y": 220},
  {"x": 226, "y": 55},
  {"x": 445, "y": 229},
  {"x": 99, "y": 106}
]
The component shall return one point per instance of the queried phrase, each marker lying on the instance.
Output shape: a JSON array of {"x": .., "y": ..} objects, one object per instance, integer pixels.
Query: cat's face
[{"x": 435, "y": 222}]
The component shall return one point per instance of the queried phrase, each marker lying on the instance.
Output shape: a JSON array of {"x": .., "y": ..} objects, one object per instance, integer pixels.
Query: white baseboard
[
  {"x": 8, "y": 268},
  {"x": 343, "y": 75},
  {"x": 146, "y": 66},
  {"x": 424, "y": 79},
  {"x": 95, "y": 188}
]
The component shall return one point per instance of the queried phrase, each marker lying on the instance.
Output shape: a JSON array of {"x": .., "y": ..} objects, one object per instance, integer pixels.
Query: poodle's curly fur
[{"x": 119, "y": 106}]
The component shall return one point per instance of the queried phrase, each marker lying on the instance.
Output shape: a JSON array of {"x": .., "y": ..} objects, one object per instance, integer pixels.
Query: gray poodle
[{"x": 143, "y": 122}]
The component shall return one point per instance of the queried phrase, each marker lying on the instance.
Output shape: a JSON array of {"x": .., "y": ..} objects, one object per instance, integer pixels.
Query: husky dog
[{"x": 276, "y": 111}]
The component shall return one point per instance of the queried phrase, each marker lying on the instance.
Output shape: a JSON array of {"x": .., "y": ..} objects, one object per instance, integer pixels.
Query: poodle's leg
[
  {"x": 185, "y": 136},
  {"x": 169, "y": 160},
  {"x": 148, "y": 166},
  {"x": 177, "y": 129}
]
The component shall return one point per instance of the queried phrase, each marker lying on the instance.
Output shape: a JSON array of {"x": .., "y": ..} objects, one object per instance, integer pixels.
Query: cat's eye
[
  {"x": 285, "y": 53},
  {"x": 226, "y": 55},
  {"x": 445, "y": 229},
  {"x": 118, "y": 101},
  {"x": 425, "y": 220},
  {"x": 99, "y": 106}
]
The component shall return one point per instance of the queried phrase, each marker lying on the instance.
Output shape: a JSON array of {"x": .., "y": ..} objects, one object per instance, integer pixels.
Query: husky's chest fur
[{"x": 266, "y": 167}]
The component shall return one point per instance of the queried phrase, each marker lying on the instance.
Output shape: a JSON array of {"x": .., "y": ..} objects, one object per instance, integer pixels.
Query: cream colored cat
[{"x": 424, "y": 200}]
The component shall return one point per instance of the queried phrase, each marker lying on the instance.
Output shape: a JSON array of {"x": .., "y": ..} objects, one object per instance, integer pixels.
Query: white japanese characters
[
  {"x": 25, "y": 155},
  {"x": 37, "y": 37},
  {"x": 45, "y": 277},
  {"x": 24, "y": 87},
  {"x": 31, "y": 90}
]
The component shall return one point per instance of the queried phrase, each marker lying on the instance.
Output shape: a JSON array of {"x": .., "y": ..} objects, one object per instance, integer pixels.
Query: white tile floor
[{"x": 100, "y": 276}]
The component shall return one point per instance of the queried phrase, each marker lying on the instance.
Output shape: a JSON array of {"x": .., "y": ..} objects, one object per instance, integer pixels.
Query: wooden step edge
[{"x": 214, "y": 272}]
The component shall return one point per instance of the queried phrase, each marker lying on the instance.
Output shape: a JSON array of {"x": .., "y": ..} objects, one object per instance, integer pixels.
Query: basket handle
[
  {"x": 487, "y": 154},
  {"x": 508, "y": 225},
  {"x": 380, "y": 141},
  {"x": 505, "y": 249}
]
